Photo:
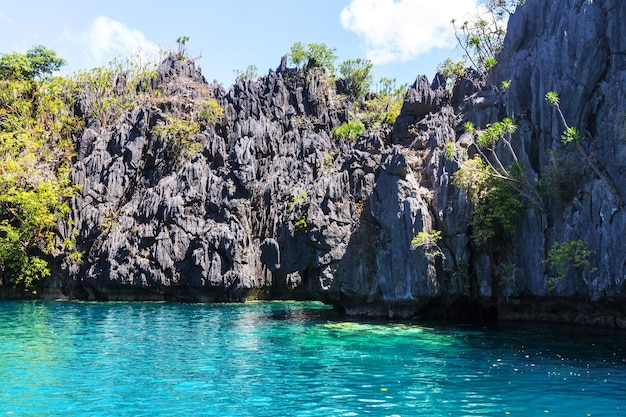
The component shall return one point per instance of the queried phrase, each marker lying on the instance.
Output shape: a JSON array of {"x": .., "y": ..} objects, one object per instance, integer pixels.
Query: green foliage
[
  {"x": 297, "y": 209},
  {"x": 326, "y": 163},
  {"x": 450, "y": 151},
  {"x": 298, "y": 55},
  {"x": 469, "y": 127},
  {"x": 111, "y": 219},
  {"x": 211, "y": 112},
  {"x": 38, "y": 62},
  {"x": 250, "y": 73},
  {"x": 497, "y": 207},
  {"x": 571, "y": 135},
  {"x": 490, "y": 163},
  {"x": 552, "y": 97},
  {"x": 350, "y": 130},
  {"x": 181, "y": 137},
  {"x": 382, "y": 107},
  {"x": 76, "y": 257},
  {"x": 113, "y": 90},
  {"x": 358, "y": 76},
  {"x": 300, "y": 223},
  {"x": 314, "y": 55},
  {"x": 495, "y": 132},
  {"x": 564, "y": 257},
  {"x": 428, "y": 241},
  {"x": 481, "y": 37},
  {"x": 452, "y": 70},
  {"x": 36, "y": 146},
  {"x": 379, "y": 109},
  {"x": 182, "y": 46},
  {"x": 495, "y": 190},
  {"x": 494, "y": 200},
  {"x": 297, "y": 200},
  {"x": 43, "y": 61},
  {"x": 15, "y": 66}
]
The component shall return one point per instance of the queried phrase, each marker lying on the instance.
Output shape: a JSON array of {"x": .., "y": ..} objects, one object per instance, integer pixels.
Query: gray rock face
[
  {"x": 274, "y": 206},
  {"x": 578, "y": 51}
]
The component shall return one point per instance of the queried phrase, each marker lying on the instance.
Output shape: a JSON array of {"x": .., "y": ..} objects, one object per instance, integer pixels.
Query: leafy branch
[
  {"x": 571, "y": 135},
  {"x": 428, "y": 241},
  {"x": 481, "y": 38},
  {"x": 492, "y": 166},
  {"x": 563, "y": 257}
]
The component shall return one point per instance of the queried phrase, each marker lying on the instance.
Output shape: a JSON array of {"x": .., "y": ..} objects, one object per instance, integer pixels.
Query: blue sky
[{"x": 404, "y": 38}]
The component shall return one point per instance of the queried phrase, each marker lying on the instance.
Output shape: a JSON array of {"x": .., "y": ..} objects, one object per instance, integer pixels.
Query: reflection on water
[{"x": 294, "y": 359}]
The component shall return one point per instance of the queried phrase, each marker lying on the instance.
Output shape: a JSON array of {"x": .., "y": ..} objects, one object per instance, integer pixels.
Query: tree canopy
[{"x": 38, "y": 62}]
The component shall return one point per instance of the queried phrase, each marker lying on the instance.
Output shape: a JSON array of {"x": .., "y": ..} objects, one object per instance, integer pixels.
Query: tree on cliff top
[
  {"x": 38, "y": 62},
  {"x": 481, "y": 37},
  {"x": 314, "y": 55}
]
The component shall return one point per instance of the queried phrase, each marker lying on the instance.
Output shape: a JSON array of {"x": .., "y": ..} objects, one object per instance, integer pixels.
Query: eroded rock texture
[{"x": 274, "y": 206}]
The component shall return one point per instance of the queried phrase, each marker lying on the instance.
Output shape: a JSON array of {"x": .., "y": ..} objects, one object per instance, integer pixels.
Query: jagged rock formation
[{"x": 274, "y": 206}]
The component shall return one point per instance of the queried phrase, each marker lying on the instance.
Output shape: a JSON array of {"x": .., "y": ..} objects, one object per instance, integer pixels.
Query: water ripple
[{"x": 293, "y": 359}]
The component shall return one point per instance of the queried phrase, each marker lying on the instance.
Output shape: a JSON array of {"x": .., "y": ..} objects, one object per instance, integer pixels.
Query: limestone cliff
[{"x": 274, "y": 206}]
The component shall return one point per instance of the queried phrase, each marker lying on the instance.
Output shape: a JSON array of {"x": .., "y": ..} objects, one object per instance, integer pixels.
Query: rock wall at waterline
[{"x": 274, "y": 206}]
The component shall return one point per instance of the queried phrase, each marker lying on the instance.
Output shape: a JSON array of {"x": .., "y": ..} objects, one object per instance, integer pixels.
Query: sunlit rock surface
[{"x": 274, "y": 206}]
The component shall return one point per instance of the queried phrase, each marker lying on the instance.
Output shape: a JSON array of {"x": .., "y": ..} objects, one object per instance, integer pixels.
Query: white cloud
[
  {"x": 400, "y": 30},
  {"x": 107, "y": 38}
]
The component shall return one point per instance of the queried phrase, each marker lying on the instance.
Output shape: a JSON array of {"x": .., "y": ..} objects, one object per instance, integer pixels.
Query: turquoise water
[{"x": 294, "y": 359}]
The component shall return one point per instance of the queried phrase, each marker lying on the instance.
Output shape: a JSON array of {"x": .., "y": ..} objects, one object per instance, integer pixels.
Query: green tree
[
  {"x": 314, "y": 55},
  {"x": 380, "y": 108},
  {"x": 15, "y": 66},
  {"x": 357, "y": 73},
  {"x": 495, "y": 202},
  {"x": 38, "y": 62},
  {"x": 182, "y": 46},
  {"x": 571, "y": 135},
  {"x": 496, "y": 190},
  {"x": 452, "y": 70},
  {"x": 491, "y": 163},
  {"x": 43, "y": 61},
  {"x": 481, "y": 37},
  {"x": 36, "y": 146}
]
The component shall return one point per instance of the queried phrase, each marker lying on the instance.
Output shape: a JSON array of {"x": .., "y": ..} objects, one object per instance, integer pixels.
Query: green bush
[
  {"x": 211, "y": 112},
  {"x": 297, "y": 210},
  {"x": 496, "y": 203},
  {"x": 350, "y": 130},
  {"x": 382, "y": 107},
  {"x": 105, "y": 100},
  {"x": 181, "y": 137},
  {"x": 452, "y": 70},
  {"x": 563, "y": 258}
]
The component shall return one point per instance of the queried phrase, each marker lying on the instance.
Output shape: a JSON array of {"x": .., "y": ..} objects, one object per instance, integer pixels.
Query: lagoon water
[{"x": 295, "y": 359}]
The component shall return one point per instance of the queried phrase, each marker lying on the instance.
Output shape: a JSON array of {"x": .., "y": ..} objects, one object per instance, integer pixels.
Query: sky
[{"x": 402, "y": 38}]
